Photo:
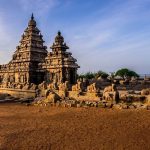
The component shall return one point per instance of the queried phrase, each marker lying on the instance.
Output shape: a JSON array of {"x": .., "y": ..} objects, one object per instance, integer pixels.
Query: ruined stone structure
[
  {"x": 59, "y": 64},
  {"x": 32, "y": 63}
]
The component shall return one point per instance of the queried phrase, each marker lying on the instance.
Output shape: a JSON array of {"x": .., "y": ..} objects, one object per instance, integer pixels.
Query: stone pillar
[{"x": 27, "y": 76}]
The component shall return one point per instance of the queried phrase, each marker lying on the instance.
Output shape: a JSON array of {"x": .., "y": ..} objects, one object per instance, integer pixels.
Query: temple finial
[
  {"x": 59, "y": 33},
  {"x": 32, "y": 17}
]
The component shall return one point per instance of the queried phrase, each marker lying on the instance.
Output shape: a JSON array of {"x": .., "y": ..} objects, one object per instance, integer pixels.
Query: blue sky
[{"x": 102, "y": 34}]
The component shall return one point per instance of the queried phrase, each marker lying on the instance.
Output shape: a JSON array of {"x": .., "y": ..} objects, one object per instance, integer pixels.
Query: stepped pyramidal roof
[{"x": 31, "y": 46}]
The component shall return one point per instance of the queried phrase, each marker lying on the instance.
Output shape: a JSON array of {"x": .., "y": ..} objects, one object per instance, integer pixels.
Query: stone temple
[
  {"x": 50, "y": 78},
  {"x": 32, "y": 63}
]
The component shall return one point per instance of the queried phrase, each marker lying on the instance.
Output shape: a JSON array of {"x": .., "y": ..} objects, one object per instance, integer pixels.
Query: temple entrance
[
  {"x": 1, "y": 79},
  {"x": 40, "y": 77},
  {"x": 37, "y": 78},
  {"x": 72, "y": 76}
]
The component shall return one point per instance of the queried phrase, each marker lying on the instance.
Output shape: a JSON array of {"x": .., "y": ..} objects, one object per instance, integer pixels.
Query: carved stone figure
[
  {"x": 42, "y": 86},
  {"x": 33, "y": 86},
  {"x": 110, "y": 93},
  {"x": 26, "y": 87},
  {"x": 6, "y": 78},
  {"x": 92, "y": 88},
  {"x": 19, "y": 86},
  {"x": 64, "y": 86},
  {"x": 78, "y": 86},
  {"x": 111, "y": 88}
]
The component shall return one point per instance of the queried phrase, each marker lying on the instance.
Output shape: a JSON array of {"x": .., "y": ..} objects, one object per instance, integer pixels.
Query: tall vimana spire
[
  {"x": 31, "y": 46},
  {"x": 29, "y": 53},
  {"x": 63, "y": 66}
]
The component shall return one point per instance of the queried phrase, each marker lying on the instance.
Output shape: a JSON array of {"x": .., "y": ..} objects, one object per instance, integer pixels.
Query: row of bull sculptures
[{"x": 108, "y": 91}]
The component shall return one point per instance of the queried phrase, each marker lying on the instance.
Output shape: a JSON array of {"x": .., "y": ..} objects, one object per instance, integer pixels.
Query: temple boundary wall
[{"x": 19, "y": 93}]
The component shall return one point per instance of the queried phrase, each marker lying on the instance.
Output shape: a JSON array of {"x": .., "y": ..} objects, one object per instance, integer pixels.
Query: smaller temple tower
[{"x": 60, "y": 64}]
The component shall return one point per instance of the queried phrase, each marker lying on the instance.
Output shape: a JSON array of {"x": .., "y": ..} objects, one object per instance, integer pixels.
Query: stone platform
[{"x": 19, "y": 93}]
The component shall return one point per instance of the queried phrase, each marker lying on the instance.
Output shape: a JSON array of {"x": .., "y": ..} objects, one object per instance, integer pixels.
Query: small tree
[
  {"x": 126, "y": 73},
  {"x": 101, "y": 74},
  {"x": 91, "y": 75},
  {"x": 88, "y": 75}
]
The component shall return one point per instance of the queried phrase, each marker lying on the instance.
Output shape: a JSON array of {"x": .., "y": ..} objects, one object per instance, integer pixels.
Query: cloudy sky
[{"x": 102, "y": 34}]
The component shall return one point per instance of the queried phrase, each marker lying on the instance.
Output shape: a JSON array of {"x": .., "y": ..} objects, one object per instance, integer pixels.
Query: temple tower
[
  {"x": 60, "y": 64},
  {"x": 28, "y": 54}
]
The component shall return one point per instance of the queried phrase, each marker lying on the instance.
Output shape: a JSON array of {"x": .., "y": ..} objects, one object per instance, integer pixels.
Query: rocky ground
[{"x": 43, "y": 128}]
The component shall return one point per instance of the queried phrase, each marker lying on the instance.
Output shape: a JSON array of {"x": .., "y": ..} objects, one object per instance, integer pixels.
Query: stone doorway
[{"x": 72, "y": 76}]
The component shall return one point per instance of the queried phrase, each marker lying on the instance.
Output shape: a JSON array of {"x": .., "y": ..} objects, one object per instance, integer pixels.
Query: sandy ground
[{"x": 45, "y": 128}]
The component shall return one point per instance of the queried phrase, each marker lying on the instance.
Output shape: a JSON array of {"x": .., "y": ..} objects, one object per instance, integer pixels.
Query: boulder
[
  {"x": 101, "y": 105},
  {"x": 145, "y": 92},
  {"x": 109, "y": 105},
  {"x": 58, "y": 103},
  {"x": 131, "y": 107},
  {"x": 52, "y": 98},
  {"x": 78, "y": 105},
  {"x": 124, "y": 106},
  {"x": 144, "y": 106},
  {"x": 137, "y": 105},
  {"x": 148, "y": 107},
  {"x": 117, "y": 106}
]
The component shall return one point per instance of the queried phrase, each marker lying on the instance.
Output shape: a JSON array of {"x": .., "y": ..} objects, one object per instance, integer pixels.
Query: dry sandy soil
[{"x": 43, "y": 128}]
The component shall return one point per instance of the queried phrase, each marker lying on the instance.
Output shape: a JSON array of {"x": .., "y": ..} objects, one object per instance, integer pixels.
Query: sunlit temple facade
[{"x": 32, "y": 63}]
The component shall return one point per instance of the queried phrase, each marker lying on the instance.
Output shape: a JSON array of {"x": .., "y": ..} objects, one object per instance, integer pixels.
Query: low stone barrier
[{"x": 19, "y": 93}]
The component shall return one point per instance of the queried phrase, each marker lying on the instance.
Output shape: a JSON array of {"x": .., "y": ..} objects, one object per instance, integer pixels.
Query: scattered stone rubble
[
  {"x": 109, "y": 97},
  {"x": 85, "y": 95},
  {"x": 86, "y": 104},
  {"x": 6, "y": 98}
]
